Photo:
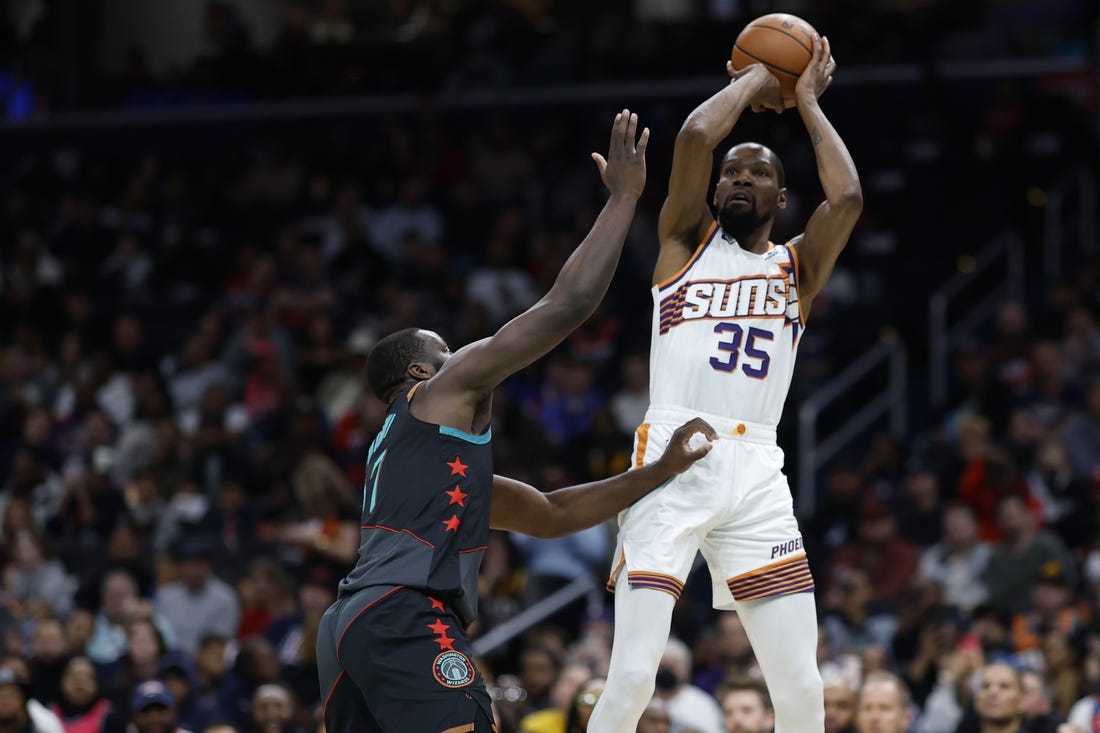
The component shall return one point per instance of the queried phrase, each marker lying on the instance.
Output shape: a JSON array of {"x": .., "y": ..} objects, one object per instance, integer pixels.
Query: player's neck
[{"x": 755, "y": 241}]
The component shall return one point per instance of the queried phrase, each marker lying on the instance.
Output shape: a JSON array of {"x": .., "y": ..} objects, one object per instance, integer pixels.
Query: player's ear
[
  {"x": 781, "y": 200},
  {"x": 420, "y": 370}
]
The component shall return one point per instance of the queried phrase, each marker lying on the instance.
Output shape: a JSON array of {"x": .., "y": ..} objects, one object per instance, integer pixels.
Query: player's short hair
[
  {"x": 389, "y": 360},
  {"x": 780, "y": 171},
  {"x": 904, "y": 696},
  {"x": 742, "y": 683}
]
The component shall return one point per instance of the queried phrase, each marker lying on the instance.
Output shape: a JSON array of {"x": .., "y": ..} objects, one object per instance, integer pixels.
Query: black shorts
[{"x": 392, "y": 659}]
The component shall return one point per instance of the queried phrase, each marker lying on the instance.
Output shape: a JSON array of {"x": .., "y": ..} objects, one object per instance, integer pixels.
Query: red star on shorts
[
  {"x": 445, "y": 642},
  {"x": 439, "y": 628},
  {"x": 452, "y": 523},
  {"x": 458, "y": 468},
  {"x": 456, "y": 496},
  {"x": 436, "y": 604}
]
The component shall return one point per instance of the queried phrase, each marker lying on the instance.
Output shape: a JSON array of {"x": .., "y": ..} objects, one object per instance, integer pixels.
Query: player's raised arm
[
  {"x": 580, "y": 286},
  {"x": 685, "y": 217},
  {"x": 522, "y": 508},
  {"x": 829, "y": 227}
]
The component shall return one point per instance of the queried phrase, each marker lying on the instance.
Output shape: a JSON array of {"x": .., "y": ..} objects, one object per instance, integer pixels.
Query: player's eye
[{"x": 761, "y": 172}]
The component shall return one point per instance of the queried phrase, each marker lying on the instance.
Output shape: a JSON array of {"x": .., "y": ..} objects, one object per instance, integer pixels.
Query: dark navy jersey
[{"x": 425, "y": 510}]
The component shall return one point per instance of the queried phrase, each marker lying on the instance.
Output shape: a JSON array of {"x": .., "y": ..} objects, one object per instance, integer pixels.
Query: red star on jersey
[
  {"x": 445, "y": 642},
  {"x": 456, "y": 496},
  {"x": 452, "y": 523},
  {"x": 458, "y": 468},
  {"x": 439, "y": 628},
  {"x": 436, "y": 604}
]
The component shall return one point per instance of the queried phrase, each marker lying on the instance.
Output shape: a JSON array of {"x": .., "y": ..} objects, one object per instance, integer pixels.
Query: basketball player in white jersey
[{"x": 729, "y": 309}]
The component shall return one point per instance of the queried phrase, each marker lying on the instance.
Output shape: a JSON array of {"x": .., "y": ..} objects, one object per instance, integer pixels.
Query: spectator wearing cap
[
  {"x": 889, "y": 561},
  {"x": 153, "y": 709},
  {"x": 19, "y": 713},
  {"x": 81, "y": 707},
  {"x": 1052, "y": 609},
  {"x": 198, "y": 603},
  {"x": 273, "y": 710},
  {"x": 1020, "y": 554}
]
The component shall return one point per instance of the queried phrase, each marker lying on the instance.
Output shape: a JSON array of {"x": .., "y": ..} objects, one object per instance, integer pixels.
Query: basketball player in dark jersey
[{"x": 392, "y": 651}]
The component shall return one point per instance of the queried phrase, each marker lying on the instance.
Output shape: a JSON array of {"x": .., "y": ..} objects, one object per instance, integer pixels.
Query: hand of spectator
[{"x": 623, "y": 171}]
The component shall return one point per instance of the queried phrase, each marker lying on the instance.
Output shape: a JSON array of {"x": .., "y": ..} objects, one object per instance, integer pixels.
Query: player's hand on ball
[
  {"x": 818, "y": 74},
  {"x": 767, "y": 94},
  {"x": 623, "y": 170},
  {"x": 690, "y": 442}
]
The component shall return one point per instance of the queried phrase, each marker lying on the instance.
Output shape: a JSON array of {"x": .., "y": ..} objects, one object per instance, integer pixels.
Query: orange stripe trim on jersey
[
  {"x": 461, "y": 729},
  {"x": 413, "y": 390},
  {"x": 618, "y": 567},
  {"x": 797, "y": 281},
  {"x": 691, "y": 260},
  {"x": 643, "y": 438}
]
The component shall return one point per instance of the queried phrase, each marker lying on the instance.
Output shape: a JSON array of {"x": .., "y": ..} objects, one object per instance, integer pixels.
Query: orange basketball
[{"x": 782, "y": 42}]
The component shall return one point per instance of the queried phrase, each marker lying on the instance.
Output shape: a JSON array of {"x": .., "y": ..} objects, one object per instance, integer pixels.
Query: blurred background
[{"x": 210, "y": 210}]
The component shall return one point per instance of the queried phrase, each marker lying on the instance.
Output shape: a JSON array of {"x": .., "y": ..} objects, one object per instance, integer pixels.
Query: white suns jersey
[{"x": 726, "y": 331}]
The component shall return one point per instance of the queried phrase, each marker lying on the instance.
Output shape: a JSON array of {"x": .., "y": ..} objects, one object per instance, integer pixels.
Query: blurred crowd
[
  {"x": 337, "y": 47},
  {"x": 185, "y": 314}
]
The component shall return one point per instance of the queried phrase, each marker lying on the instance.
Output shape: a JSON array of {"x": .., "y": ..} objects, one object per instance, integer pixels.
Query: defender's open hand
[{"x": 623, "y": 171}]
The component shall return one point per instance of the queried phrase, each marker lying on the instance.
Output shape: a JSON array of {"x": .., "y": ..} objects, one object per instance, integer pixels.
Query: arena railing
[
  {"x": 889, "y": 353},
  {"x": 1069, "y": 205},
  {"x": 696, "y": 87},
  {"x": 535, "y": 613},
  {"x": 946, "y": 330}
]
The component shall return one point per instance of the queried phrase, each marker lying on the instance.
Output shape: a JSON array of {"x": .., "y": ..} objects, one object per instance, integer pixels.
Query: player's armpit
[
  {"x": 685, "y": 216},
  {"x": 831, "y": 224},
  {"x": 818, "y": 249}
]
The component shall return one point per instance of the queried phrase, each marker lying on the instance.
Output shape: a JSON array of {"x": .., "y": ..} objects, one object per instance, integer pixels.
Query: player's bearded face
[{"x": 736, "y": 217}]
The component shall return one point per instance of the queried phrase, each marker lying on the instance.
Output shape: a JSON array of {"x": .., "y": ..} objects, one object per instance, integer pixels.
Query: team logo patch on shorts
[{"x": 453, "y": 669}]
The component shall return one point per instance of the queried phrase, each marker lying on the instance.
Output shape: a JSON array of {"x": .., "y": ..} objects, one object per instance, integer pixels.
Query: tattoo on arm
[{"x": 816, "y": 135}]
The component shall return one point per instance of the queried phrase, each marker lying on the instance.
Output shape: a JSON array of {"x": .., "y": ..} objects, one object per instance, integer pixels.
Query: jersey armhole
[
  {"x": 797, "y": 279},
  {"x": 691, "y": 260}
]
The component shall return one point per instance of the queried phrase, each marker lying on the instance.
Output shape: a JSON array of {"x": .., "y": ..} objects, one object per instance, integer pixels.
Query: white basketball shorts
[{"x": 734, "y": 505}]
